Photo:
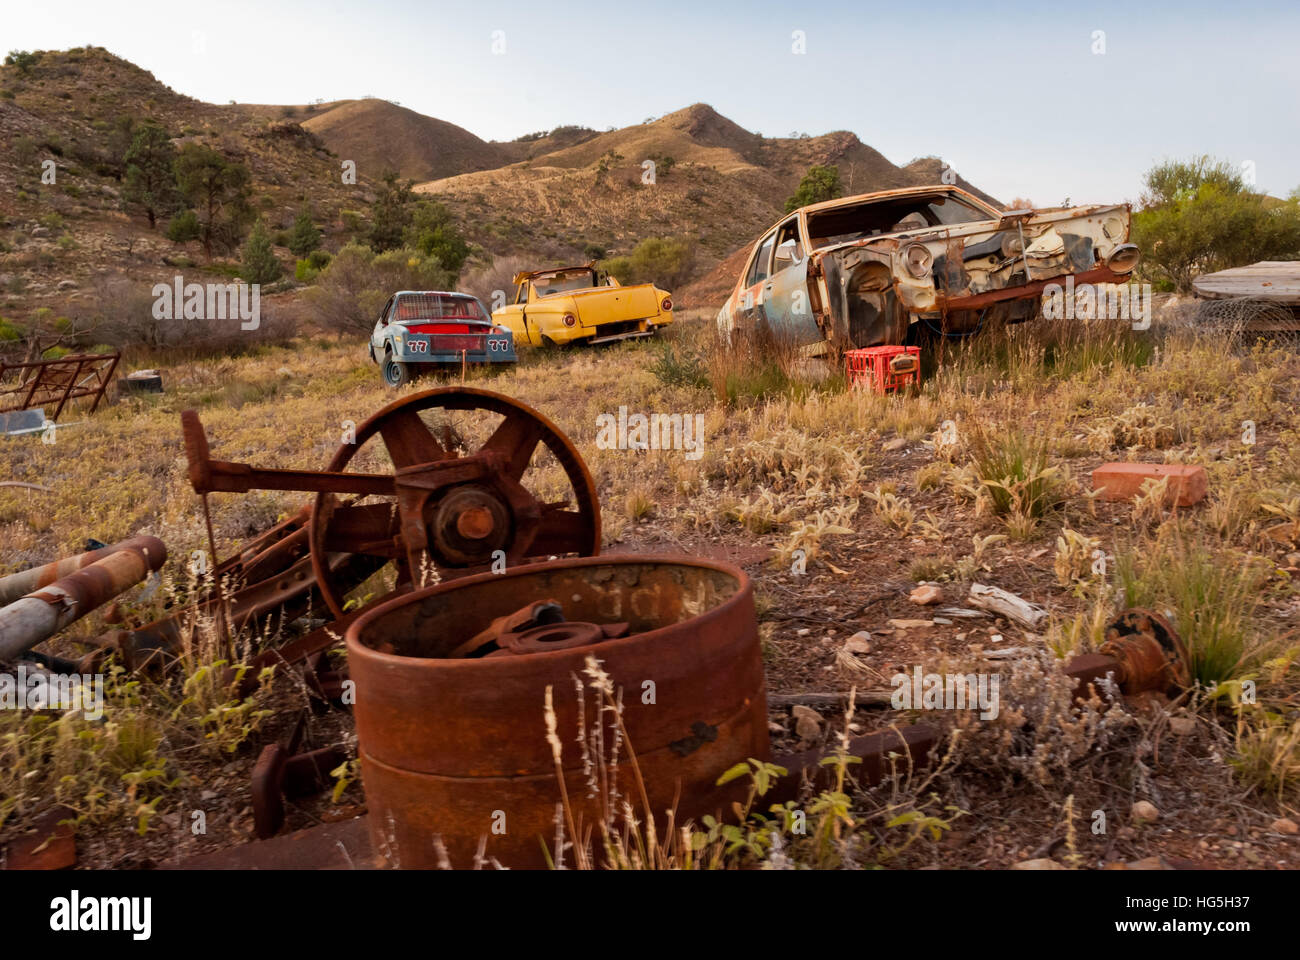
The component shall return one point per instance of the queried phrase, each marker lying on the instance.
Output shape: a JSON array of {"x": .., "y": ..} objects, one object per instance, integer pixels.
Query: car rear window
[
  {"x": 438, "y": 306},
  {"x": 560, "y": 283}
]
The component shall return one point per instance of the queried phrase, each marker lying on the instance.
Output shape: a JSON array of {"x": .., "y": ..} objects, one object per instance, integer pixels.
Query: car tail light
[
  {"x": 570, "y": 319},
  {"x": 917, "y": 259},
  {"x": 667, "y": 304}
]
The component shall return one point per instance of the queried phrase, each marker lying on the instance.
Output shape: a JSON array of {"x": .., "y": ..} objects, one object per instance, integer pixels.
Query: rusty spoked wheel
[{"x": 451, "y": 512}]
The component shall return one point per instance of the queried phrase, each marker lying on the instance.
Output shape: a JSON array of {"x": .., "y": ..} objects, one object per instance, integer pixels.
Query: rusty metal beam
[
  {"x": 25, "y": 581},
  {"x": 38, "y": 616},
  {"x": 978, "y": 300}
]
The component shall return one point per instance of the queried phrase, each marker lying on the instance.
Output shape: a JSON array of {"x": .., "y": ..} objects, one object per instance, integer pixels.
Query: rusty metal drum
[{"x": 454, "y": 751}]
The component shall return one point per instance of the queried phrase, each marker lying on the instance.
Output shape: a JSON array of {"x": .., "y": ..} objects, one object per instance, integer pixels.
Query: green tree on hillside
[
  {"x": 150, "y": 173},
  {"x": 391, "y": 213},
  {"x": 433, "y": 232},
  {"x": 818, "y": 184},
  {"x": 257, "y": 260},
  {"x": 218, "y": 190},
  {"x": 1199, "y": 216},
  {"x": 24, "y": 60},
  {"x": 303, "y": 237}
]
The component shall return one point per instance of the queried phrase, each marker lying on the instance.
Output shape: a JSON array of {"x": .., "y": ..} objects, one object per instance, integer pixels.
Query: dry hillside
[
  {"x": 59, "y": 241},
  {"x": 547, "y": 197},
  {"x": 714, "y": 181}
]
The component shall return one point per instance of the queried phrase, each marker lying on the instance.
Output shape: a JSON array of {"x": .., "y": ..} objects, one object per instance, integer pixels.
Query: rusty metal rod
[
  {"x": 26, "y": 581},
  {"x": 38, "y": 616}
]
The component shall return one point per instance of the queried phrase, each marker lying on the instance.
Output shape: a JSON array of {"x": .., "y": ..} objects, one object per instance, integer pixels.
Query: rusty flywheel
[
  {"x": 440, "y": 509},
  {"x": 452, "y": 512}
]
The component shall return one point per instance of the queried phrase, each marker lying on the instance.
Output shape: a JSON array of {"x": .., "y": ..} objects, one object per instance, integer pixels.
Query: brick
[{"x": 1123, "y": 481}]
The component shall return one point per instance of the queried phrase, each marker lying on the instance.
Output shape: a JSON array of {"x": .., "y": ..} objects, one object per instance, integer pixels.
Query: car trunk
[{"x": 616, "y": 304}]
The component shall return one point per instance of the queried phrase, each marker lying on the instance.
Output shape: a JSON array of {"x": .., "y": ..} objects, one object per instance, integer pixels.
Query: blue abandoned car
[{"x": 418, "y": 327}]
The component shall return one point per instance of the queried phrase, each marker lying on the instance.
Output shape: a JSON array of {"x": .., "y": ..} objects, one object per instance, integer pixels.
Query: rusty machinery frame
[{"x": 58, "y": 381}]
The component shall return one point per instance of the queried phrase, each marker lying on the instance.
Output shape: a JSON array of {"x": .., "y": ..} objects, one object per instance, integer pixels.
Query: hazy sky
[{"x": 1011, "y": 94}]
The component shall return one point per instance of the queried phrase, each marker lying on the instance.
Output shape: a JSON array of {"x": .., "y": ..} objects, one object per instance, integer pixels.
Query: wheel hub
[{"x": 468, "y": 524}]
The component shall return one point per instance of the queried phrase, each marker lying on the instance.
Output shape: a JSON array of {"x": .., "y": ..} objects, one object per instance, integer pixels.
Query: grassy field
[{"x": 980, "y": 477}]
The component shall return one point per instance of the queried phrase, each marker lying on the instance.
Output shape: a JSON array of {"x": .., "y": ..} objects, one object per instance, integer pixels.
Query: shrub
[
  {"x": 1214, "y": 595},
  {"x": 183, "y": 227},
  {"x": 309, "y": 268},
  {"x": 304, "y": 237},
  {"x": 493, "y": 282},
  {"x": 1011, "y": 466},
  {"x": 353, "y": 222},
  {"x": 676, "y": 366},
  {"x": 1198, "y": 216},
  {"x": 434, "y": 234},
  {"x": 352, "y": 289},
  {"x": 664, "y": 261},
  {"x": 24, "y": 60},
  {"x": 24, "y": 150},
  {"x": 258, "y": 262}
]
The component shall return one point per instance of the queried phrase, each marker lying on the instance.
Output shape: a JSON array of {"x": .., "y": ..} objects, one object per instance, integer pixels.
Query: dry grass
[{"x": 799, "y": 466}]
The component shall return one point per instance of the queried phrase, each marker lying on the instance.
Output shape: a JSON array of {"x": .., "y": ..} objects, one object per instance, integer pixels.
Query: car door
[
  {"x": 787, "y": 306},
  {"x": 512, "y": 315},
  {"x": 749, "y": 311},
  {"x": 380, "y": 332}
]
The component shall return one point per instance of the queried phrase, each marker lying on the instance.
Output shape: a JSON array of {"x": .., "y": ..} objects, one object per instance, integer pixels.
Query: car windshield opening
[
  {"x": 562, "y": 282},
  {"x": 897, "y": 215},
  {"x": 438, "y": 306}
]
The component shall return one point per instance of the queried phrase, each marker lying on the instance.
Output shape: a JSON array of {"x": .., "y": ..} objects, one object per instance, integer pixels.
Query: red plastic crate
[{"x": 885, "y": 369}]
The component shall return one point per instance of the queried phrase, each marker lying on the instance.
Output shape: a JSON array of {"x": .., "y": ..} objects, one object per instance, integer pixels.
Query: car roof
[
  {"x": 889, "y": 194},
  {"x": 436, "y": 293}
]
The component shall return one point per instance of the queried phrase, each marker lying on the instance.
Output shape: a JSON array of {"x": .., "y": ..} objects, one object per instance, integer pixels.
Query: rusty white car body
[{"x": 860, "y": 271}]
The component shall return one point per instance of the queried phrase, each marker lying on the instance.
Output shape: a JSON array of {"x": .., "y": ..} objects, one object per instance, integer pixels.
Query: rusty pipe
[
  {"x": 26, "y": 581},
  {"x": 39, "y": 615}
]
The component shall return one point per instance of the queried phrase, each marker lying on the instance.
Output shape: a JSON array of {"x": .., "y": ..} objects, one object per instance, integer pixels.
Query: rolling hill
[{"x": 563, "y": 195}]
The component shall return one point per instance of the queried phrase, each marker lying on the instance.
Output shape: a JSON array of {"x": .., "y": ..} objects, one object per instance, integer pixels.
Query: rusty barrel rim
[{"x": 356, "y": 646}]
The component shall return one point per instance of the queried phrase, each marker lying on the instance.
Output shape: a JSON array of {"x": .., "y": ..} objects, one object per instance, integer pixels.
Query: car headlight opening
[
  {"x": 917, "y": 259},
  {"x": 1124, "y": 258}
]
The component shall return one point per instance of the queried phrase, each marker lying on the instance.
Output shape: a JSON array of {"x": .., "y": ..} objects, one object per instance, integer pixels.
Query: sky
[{"x": 1021, "y": 99}]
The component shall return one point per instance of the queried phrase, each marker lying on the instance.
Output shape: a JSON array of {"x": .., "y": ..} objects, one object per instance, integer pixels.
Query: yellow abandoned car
[{"x": 570, "y": 304}]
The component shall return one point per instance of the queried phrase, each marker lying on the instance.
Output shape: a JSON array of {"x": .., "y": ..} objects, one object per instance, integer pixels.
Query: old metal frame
[{"x": 49, "y": 384}]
